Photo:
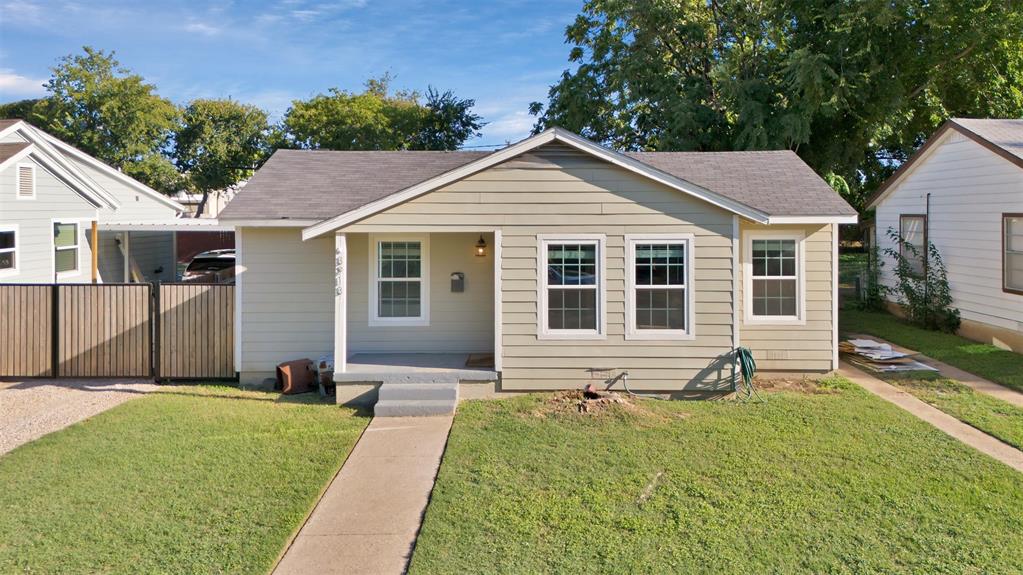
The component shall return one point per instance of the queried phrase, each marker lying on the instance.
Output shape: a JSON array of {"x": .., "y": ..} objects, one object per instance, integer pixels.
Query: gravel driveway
[{"x": 32, "y": 408}]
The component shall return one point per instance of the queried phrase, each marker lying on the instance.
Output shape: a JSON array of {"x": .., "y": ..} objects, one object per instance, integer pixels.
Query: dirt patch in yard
[
  {"x": 576, "y": 403},
  {"x": 804, "y": 385}
]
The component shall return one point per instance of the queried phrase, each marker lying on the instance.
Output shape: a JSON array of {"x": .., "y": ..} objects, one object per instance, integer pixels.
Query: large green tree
[
  {"x": 853, "y": 87},
  {"x": 379, "y": 119},
  {"x": 219, "y": 143},
  {"x": 111, "y": 113}
]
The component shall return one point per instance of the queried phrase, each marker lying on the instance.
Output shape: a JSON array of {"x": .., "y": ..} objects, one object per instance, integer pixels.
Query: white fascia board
[
  {"x": 60, "y": 172},
  {"x": 11, "y": 129},
  {"x": 116, "y": 174},
  {"x": 176, "y": 224},
  {"x": 779, "y": 220},
  {"x": 42, "y": 141},
  {"x": 533, "y": 142},
  {"x": 16, "y": 157},
  {"x": 923, "y": 154}
]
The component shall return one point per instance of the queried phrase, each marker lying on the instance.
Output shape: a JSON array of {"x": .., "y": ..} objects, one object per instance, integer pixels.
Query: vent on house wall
[{"x": 26, "y": 182}]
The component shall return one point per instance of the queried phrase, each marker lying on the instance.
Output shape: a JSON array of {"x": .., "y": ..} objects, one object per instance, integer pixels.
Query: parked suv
[{"x": 212, "y": 267}]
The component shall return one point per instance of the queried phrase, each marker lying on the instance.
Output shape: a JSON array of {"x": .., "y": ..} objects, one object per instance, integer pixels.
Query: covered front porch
[{"x": 416, "y": 313}]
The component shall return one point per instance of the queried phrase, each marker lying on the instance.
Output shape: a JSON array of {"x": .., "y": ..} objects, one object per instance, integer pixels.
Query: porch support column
[{"x": 340, "y": 302}]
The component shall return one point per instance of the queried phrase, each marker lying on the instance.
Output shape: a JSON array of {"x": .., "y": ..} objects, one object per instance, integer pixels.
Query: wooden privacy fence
[
  {"x": 196, "y": 330},
  {"x": 25, "y": 330},
  {"x": 104, "y": 330},
  {"x": 168, "y": 331}
]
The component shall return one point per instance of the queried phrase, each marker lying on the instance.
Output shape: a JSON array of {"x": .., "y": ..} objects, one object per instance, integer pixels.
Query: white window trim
[
  {"x": 424, "y": 291},
  {"x": 542, "y": 329},
  {"x": 17, "y": 181},
  {"x": 78, "y": 243},
  {"x": 631, "y": 331},
  {"x": 17, "y": 246},
  {"x": 747, "y": 273}
]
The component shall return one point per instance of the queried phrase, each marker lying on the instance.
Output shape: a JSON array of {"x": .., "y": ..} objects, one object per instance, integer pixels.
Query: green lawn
[
  {"x": 185, "y": 480},
  {"x": 988, "y": 414},
  {"x": 832, "y": 482},
  {"x": 987, "y": 361}
]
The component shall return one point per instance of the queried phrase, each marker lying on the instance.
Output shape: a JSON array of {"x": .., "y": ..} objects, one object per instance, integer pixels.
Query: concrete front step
[
  {"x": 418, "y": 391},
  {"x": 414, "y": 407}
]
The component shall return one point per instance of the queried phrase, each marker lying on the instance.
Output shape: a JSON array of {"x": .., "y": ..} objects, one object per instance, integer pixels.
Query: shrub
[{"x": 924, "y": 294}]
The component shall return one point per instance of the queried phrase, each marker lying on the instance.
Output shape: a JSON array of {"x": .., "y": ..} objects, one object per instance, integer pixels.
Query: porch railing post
[{"x": 340, "y": 302}]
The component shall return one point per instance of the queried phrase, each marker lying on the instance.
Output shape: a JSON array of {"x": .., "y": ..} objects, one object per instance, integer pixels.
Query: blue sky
[{"x": 502, "y": 53}]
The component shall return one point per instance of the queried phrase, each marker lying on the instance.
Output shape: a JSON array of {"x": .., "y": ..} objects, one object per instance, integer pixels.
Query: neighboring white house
[
  {"x": 50, "y": 195},
  {"x": 566, "y": 261},
  {"x": 963, "y": 191}
]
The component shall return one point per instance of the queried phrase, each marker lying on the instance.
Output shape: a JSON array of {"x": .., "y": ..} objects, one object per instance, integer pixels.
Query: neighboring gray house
[
  {"x": 51, "y": 193},
  {"x": 963, "y": 191},
  {"x": 565, "y": 261}
]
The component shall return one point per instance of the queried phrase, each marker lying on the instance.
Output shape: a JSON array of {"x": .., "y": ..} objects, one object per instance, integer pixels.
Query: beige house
[
  {"x": 963, "y": 192},
  {"x": 549, "y": 264}
]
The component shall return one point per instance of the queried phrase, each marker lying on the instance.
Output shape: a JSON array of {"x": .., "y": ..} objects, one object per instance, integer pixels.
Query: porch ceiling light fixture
[{"x": 481, "y": 247}]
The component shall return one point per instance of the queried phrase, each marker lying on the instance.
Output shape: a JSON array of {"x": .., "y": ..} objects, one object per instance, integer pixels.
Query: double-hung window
[
  {"x": 571, "y": 286},
  {"x": 8, "y": 250},
  {"x": 1012, "y": 257},
  {"x": 775, "y": 279},
  {"x": 660, "y": 298},
  {"x": 65, "y": 248},
  {"x": 913, "y": 229},
  {"x": 399, "y": 289}
]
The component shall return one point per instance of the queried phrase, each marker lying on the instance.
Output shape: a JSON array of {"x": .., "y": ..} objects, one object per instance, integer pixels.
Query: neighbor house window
[
  {"x": 8, "y": 250},
  {"x": 400, "y": 283},
  {"x": 1012, "y": 259},
  {"x": 571, "y": 280},
  {"x": 660, "y": 299},
  {"x": 913, "y": 229},
  {"x": 774, "y": 278},
  {"x": 65, "y": 247}
]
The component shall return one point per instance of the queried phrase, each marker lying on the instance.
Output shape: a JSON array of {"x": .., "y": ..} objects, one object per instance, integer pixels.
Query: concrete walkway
[
  {"x": 968, "y": 379},
  {"x": 368, "y": 518},
  {"x": 967, "y": 434}
]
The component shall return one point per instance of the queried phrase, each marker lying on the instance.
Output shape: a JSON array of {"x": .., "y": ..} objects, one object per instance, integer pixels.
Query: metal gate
[{"x": 168, "y": 331}]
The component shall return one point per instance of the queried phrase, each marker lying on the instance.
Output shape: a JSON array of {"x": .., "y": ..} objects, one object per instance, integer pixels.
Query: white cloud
[
  {"x": 508, "y": 127},
  {"x": 21, "y": 12},
  {"x": 202, "y": 28},
  {"x": 14, "y": 85}
]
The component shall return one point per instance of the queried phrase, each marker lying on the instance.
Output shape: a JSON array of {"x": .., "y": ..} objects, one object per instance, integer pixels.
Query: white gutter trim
[
  {"x": 779, "y": 220},
  {"x": 533, "y": 142}
]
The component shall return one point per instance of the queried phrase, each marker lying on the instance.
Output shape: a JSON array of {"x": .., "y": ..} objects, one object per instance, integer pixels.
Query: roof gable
[
  {"x": 60, "y": 156},
  {"x": 1001, "y": 137},
  {"x": 626, "y": 161}
]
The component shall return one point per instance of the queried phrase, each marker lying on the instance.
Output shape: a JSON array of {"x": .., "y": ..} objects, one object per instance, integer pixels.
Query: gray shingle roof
[
  {"x": 316, "y": 185},
  {"x": 1006, "y": 134},
  {"x": 9, "y": 150},
  {"x": 777, "y": 183}
]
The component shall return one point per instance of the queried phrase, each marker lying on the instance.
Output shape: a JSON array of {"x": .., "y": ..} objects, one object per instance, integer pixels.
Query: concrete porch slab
[{"x": 412, "y": 368}]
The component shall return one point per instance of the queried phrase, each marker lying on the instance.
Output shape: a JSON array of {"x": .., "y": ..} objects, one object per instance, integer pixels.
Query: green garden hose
[{"x": 747, "y": 368}]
